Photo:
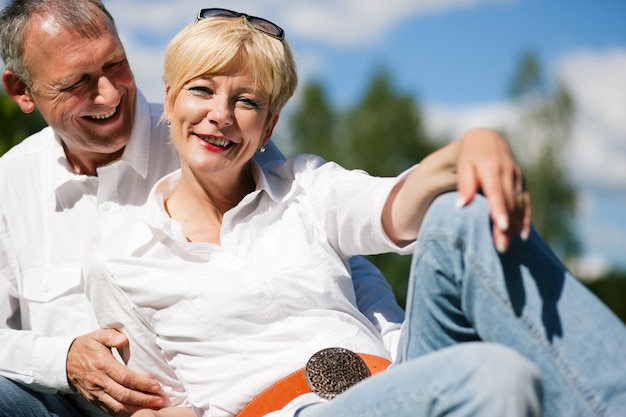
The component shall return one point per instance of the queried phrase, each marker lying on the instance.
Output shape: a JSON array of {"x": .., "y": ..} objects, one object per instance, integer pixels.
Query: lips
[{"x": 218, "y": 142}]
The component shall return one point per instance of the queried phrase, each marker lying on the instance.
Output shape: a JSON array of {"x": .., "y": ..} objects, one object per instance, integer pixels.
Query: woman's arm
[{"x": 480, "y": 160}]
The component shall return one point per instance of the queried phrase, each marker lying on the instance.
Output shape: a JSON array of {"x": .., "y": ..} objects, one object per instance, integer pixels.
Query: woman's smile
[{"x": 215, "y": 143}]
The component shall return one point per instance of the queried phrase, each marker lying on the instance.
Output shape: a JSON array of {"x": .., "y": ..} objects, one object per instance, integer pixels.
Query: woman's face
[{"x": 218, "y": 122}]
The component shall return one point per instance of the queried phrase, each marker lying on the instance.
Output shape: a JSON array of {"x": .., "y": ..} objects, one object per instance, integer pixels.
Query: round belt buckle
[{"x": 331, "y": 371}]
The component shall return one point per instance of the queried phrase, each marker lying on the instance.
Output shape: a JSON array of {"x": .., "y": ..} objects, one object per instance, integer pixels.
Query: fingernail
[
  {"x": 524, "y": 235},
  {"x": 460, "y": 203},
  {"x": 501, "y": 247},
  {"x": 503, "y": 222}
]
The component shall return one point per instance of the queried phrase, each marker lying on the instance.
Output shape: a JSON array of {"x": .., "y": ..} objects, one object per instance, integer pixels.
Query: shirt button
[
  {"x": 45, "y": 288},
  {"x": 106, "y": 206}
]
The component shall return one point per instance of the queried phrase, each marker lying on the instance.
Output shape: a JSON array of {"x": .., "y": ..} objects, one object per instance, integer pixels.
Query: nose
[
  {"x": 220, "y": 113},
  {"x": 106, "y": 92}
]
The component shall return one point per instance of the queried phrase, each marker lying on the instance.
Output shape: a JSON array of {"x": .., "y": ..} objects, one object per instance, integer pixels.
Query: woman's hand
[
  {"x": 479, "y": 161},
  {"x": 485, "y": 163}
]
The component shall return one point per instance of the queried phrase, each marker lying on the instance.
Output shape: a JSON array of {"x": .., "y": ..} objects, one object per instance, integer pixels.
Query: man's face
[{"x": 83, "y": 87}]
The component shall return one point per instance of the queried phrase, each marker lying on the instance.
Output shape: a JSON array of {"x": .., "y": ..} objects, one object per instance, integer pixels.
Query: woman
[{"x": 236, "y": 275}]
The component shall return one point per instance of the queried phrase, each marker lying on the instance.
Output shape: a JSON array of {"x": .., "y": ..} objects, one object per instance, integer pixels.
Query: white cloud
[
  {"x": 590, "y": 267},
  {"x": 350, "y": 22},
  {"x": 597, "y": 81},
  {"x": 451, "y": 121},
  {"x": 335, "y": 22}
]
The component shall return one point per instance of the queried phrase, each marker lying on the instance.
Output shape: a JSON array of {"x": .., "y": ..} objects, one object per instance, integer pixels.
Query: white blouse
[{"x": 232, "y": 319}]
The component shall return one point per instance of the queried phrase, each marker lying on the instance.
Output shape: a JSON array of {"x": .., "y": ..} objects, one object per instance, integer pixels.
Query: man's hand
[{"x": 103, "y": 380}]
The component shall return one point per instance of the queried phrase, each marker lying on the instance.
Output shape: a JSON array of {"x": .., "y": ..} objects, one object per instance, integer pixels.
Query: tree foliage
[
  {"x": 547, "y": 118},
  {"x": 384, "y": 133},
  {"x": 611, "y": 289},
  {"x": 314, "y": 123},
  {"x": 14, "y": 124}
]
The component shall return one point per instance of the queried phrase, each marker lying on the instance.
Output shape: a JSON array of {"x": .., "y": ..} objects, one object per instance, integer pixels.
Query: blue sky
[{"x": 457, "y": 57}]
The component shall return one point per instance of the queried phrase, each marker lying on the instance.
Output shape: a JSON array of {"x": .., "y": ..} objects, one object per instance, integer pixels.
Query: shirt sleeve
[
  {"x": 25, "y": 357},
  {"x": 349, "y": 205}
]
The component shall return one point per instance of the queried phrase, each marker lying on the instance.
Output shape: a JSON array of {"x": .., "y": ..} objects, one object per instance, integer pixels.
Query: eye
[
  {"x": 249, "y": 103},
  {"x": 200, "y": 90},
  {"x": 76, "y": 84},
  {"x": 115, "y": 66}
]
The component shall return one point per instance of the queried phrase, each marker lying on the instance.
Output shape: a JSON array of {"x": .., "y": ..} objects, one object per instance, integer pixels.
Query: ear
[
  {"x": 18, "y": 92},
  {"x": 269, "y": 129},
  {"x": 166, "y": 106}
]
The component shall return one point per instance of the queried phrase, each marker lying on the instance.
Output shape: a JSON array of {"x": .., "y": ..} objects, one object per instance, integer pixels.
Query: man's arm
[
  {"x": 21, "y": 358},
  {"x": 62, "y": 363}
]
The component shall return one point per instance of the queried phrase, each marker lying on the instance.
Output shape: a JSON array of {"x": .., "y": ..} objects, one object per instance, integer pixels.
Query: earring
[
  {"x": 168, "y": 123},
  {"x": 262, "y": 149}
]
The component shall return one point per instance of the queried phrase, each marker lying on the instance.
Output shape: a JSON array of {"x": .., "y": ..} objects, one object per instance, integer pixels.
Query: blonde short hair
[{"x": 219, "y": 45}]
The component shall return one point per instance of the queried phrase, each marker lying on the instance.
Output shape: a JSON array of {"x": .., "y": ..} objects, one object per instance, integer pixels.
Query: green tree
[
  {"x": 547, "y": 118},
  {"x": 384, "y": 133},
  {"x": 314, "y": 123},
  {"x": 14, "y": 124},
  {"x": 611, "y": 288}
]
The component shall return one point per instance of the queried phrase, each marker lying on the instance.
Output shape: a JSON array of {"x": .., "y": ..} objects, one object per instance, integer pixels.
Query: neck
[
  {"x": 87, "y": 163},
  {"x": 199, "y": 206}
]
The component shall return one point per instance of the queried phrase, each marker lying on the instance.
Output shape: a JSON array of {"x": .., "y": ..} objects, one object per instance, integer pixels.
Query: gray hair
[{"x": 76, "y": 15}]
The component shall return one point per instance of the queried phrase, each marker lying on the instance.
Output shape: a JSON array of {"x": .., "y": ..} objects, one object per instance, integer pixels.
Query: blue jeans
[
  {"x": 469, "y": 379},
  {"x": 525, "y": 302},
  {"x": 19, "y": 401}
]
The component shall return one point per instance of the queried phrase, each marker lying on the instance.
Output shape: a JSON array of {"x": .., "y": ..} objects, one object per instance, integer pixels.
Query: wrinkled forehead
[
  {"x": 54, "y": 52},
  {"x": 90, "y": 25}
]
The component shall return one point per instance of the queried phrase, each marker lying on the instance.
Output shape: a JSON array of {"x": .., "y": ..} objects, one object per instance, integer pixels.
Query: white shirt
[
  {"x": 232, "y": 319},
  {"x": 48, "y": 218}
]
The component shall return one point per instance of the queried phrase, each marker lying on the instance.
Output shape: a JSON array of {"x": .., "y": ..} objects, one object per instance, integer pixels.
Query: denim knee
[
  {"x": 443, "y": 215},
  {"x": 507, "y": 381}
]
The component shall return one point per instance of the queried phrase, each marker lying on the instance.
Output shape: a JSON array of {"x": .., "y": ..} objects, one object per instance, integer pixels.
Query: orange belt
[{"x": 282, "y": 392}]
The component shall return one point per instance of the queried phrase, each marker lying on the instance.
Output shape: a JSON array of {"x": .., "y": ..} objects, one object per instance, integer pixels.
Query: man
[{"x": 68, "y": 185}]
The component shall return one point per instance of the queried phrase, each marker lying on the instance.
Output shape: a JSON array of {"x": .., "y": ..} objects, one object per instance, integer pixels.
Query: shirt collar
[
  {"x": 156, "y": 217},
  {"x": 136, "y": 154},
  {"x": 275, "y": 178},
  {"x": 155, "y": 214}
]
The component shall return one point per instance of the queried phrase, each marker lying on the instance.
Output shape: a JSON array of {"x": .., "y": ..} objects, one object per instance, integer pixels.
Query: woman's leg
[
  {"x": 472, "y": 379},
  {"x": 462, "y": 290}
]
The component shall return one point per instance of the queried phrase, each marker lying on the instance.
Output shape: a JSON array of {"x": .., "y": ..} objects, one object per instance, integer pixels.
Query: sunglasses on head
[{"x": 258, "y": 23}]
